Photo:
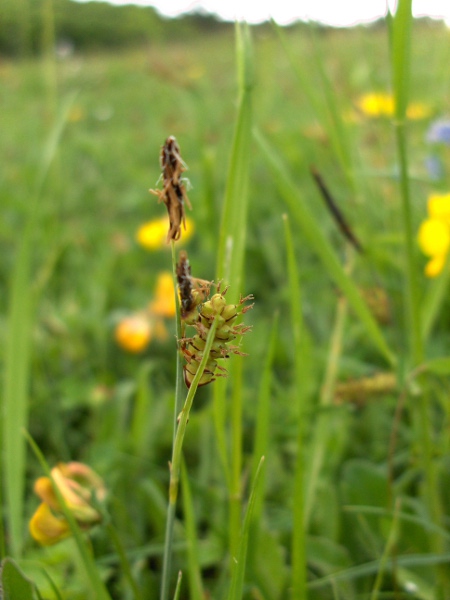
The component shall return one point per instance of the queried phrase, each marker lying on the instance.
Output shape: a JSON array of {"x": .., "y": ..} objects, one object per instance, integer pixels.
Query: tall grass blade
[
  {"x": 316, "y": 239},
  {"x": 237, "y": 579},
  {"x": 262, "y": 428},
  {"x": 230, "y": 267},
  {"x": 194, "y": 574},
  {"x": 230, "y": 254},
  {"x": 298, "y": 547},
  {"x": 18, "y": 350}
]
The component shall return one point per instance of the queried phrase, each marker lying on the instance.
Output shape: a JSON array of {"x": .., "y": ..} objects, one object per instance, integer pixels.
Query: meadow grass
[{"x": 350, "y": 499}]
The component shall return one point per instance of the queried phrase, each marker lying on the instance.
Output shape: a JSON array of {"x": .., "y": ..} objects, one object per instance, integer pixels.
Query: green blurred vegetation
[
  {"x": 81, "y": 142},
  {"x": 95, "y": 25}
]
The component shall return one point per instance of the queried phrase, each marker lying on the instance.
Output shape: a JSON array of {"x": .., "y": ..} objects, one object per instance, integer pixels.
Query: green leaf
[
  {"x": 439, "y": 366},
  {"x": 14, "y": 584},
  {"x": 237, "y": 578}
]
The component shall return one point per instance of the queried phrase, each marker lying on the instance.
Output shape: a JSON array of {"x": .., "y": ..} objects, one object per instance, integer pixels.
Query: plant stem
[{"x": 175, "y": 464}]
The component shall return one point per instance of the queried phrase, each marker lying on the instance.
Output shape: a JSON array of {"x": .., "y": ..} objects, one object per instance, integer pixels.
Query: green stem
[
  {"x": 236, "y": 458},
  {"x": 182, "y": 420},
  {"x": 124, "y": 561}
]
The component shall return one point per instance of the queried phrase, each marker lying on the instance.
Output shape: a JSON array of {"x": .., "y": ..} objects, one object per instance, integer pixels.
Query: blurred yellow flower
[
  {"x": 439, "y": 207},
  {"x": 46, "y": 528},
  {"x": 383, "y": 105},
  {"x": 164, "y": 303},
  {"x": 81, "y": 489},
  {"x": 153, "y": 234},
  {"x": 376, "y": 105},
  {"x": 134, "y": 333},
  {"x": 434, "y": 233}
]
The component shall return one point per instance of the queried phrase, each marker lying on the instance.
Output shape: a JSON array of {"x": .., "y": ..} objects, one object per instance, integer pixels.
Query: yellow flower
[
  {"x": 134, "y": 333},
  {"x": 383, "y": 105},
  {"x": 46, "y": 528},
  {"x": 434, "y": 233},
  {"x": 439, "y": 207},
  {"x": 376, "y": 105},
  {"x": 153, "y": 234},
  {"x": 164, "y": 303},
  {"x": 80, "y": 488}
]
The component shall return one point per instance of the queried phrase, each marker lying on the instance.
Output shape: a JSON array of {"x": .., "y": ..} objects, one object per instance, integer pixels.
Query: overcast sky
[{"x": 333, "y": 12}]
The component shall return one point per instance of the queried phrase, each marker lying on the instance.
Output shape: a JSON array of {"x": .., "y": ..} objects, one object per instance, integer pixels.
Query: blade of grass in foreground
[
  {"x": 421, "y": 409},
  {"x": 400, "y": 58},
  {"x": 230, "y": 266},
  {"x": 233, "y": 228},
  {"x": 262, "y": 431},
  {"x": 195, "y": 581},
  {"x": 18, "y": 351},
  {"x": 237, "y": 579},
  {"x": 321, "y": 246},
  {"x": 298, "y": 545}
]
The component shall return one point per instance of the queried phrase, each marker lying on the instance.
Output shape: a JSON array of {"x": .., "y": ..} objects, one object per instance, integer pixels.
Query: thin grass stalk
[
  {"x": 322, "y": 426},
  {"x": 176, "y": 463},
  {"x": 126, "y": 568},
  {"x": 401, "y": 51},
  {"x": 298, "y": 549},
  {"x": 230, "y": 253},
  {"x": 262, "y": 428},
  {"x": 196, "y": 591},
  {"x": 238, "y": 572},
  {"x": 177, "y": 593},
  {"x": 230, "y": 266},
  {"x": 388, "y": 549},
  {"x": 236, "y": 456}
]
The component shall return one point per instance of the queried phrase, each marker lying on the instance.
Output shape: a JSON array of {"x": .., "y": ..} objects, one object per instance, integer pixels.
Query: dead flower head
[{"x": 173, "y": 193}]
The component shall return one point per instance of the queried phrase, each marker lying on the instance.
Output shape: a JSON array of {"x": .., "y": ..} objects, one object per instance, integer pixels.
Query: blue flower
[{"x": 439, "y": 132}]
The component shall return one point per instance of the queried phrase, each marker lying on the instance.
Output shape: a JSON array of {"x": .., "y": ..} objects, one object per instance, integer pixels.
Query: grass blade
[
  {"x": 18, "y": 350},
  {"x": 321, "y": 246},
  {"x": 230, "y": 254},
  {"x": 237, "y": 579},
  {"x": 195, "y": 581},
  {"x": 298, "y": 588}
]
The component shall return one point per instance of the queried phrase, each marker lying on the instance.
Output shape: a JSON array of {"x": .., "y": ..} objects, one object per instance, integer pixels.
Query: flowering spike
[
  {"x": 173, "y": 193},
  {"x": 200, "y": 314}
]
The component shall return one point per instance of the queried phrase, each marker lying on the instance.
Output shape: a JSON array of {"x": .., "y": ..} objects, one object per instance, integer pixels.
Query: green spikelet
[{"x": 226, "y": 332}]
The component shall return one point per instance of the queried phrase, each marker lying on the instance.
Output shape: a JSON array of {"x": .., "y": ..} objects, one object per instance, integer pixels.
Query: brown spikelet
[{"x": 173, "y": 193}]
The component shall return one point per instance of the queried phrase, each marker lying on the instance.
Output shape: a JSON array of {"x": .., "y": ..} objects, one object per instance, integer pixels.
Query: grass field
[{"x": 345, "y": 387}]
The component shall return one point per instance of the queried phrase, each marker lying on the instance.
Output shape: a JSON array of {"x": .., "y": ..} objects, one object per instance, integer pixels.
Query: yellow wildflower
[
  {"x": 164, "y": 303},
  {"x": 134, "y": 333},
  {"x": 434, "y": 233},
  {"x": 80, "y": 488},
  {"x": 383, "y": 105},
  {"x": 153, "y": 234},
  {"x": 376, "y": 105},
  {"x": 46, "y": 528},
  {"x": 439, "y": 207}
]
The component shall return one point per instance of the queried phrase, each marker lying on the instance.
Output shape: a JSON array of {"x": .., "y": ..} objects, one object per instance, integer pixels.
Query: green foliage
[
  {"x": 343, "y": 506},
  {"x": 13, "y": 582},
  {"x": 94, "y": 25}
]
